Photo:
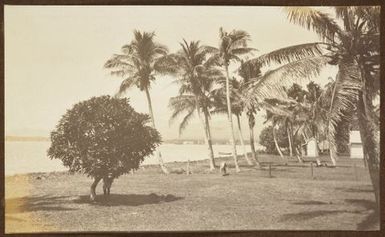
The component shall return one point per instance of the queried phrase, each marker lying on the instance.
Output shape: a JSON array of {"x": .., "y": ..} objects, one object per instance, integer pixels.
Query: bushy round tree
[
  {"x": 266, "y": 139},
  {"x": 103, "y": 137}
]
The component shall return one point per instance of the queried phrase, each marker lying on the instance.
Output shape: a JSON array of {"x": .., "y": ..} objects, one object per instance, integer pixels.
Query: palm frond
[
  {"x": 274, "y": 82},
  {"x": 183, "y": 104},
  {"x": 314, "y": 20},
  {"x": 185, "y": 121},
  {"x": 214, "y": 60},
  {"x": 345, "y": 92},
  {"x": 208, "y": 50},
  {"x": 126, "y": 84},
  {"x": 288, "y": 54},
  {"x": 166, "y": 65},
  {"x": 180, "y": 104},
  {"x": 160, "y": 49},
  {"x": 239, "y": 51},
  {"x": 119, "y": 61},
  {"x": 275, "y": 109}
]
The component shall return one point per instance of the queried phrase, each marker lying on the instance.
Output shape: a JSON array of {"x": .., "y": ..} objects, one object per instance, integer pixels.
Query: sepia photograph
[{"x": 191, "y": 118}]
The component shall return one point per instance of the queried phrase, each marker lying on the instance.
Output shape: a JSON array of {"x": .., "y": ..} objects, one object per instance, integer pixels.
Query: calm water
[{"x": 27, "y": 157}]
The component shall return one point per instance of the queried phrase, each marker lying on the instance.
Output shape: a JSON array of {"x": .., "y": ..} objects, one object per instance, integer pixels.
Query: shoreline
[
  {"x": 202, "y": 165},
  {"x": 171, "y": 164}
]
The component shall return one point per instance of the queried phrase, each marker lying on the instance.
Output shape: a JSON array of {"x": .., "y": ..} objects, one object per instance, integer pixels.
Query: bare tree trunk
[
  {"x": 276, "y": 142},
  {"x": 159, "y": 155},
  {"x": 229, "y": 114},
  {"x": 370, "y": 140},
  {"x": 209, "y": 141},
  {"x": 242, "y": 141},
  {"x": 93, "y": 188}
]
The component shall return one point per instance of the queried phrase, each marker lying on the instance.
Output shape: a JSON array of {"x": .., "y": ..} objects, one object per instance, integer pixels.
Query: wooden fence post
[
  {"x": 270, "y": 171},
  {"x": 312, "y": 172}
]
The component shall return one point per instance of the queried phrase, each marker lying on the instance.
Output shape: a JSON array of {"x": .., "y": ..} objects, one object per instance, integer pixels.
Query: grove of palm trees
[
  {"x": 352, "y": 46},
  {"x": 288, "y": 147}
]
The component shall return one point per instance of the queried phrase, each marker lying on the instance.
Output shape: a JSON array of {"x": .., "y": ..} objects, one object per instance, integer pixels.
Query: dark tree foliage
[
  {"x": 266, "y": 139},
  {"x": 313, "y": 92},
  {"x": 296, "y": 92},
  {"x": 103, "y": 136}
]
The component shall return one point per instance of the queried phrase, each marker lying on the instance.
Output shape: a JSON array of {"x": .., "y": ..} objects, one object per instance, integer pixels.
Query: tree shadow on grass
[
  {"x": 366, "y": 189},
  {"x": 127, "y": 199},
  {"x": 36, "y": 203},
  {"x": 311, "y": 202},
  {"x": 370, "y": 221},
  {"x": 303, "y": 216}
]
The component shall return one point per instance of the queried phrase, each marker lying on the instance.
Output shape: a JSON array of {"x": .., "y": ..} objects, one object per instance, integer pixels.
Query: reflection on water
[{"x": 27, "y": 157}]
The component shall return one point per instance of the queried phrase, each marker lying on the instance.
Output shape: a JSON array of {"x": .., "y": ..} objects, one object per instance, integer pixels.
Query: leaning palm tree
[
  {"x": 196, "y": 78},
  {"x": 237, "y": 111},
  {"x": 353, "y": 46},
  {"x": 247, "y": 72},
  {"x": 237, "y": 107},
  {"x": 231, "y": 46},
  {"x": 187, "y": 105},
  {"x": 292, "y": 115},
  {"x": 277, "y": 113},
  {"x": 275, "y": 122},
  {"x": 138, "y": 64}
]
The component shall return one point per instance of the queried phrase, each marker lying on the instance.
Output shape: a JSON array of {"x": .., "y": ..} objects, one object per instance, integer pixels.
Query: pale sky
[{"x": 54, "y": 56}]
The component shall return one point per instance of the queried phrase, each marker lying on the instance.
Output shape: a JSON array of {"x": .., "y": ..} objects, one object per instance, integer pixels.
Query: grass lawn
[{"x": 338, "y": 198}]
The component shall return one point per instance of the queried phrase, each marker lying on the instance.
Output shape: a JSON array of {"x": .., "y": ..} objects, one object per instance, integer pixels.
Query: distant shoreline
[
  {"x": 171, "y": 141},
  {"x": 26, "y": 139}
]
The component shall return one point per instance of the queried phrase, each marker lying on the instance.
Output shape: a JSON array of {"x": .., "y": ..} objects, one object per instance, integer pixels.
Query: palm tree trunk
[
  {"x": 229, "y": 114},
  {"x": 276, "y": 142},
  {"x": 332, "y": 153},
  {"x": 289, "y": 136},
  {"x": 298, "y": 154},
  {"x": 252, "y": 145},
  {"x": 370, "y": 141},
  {"x": 242, "y": 140},
  {"x": 209, "y": 141},
  {"x": 159, "y": 155},
  {"x": 316, "y": 137},
  {"x": 206, "y": 128}
]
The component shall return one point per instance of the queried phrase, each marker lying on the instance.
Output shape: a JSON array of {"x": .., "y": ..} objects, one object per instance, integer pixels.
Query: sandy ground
[{"x": 333, "y": 199}]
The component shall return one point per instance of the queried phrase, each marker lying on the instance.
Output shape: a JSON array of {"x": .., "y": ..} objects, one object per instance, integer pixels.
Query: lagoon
[{"x": 29, "y": 157}]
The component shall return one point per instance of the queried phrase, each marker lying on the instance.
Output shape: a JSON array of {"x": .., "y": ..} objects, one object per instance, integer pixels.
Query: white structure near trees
[
  {"x": 312, "y": 148},
  {"x": 356, "y": 149}
]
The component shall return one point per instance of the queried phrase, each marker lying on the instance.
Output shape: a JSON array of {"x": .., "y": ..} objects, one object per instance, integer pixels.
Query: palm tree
[
  {"x": 196, "y": 78},
  {"x": 353, "y": 47},
  {"x": 237, "y": 107},
  {"x": 238, "y": 113},
  {"x": 138, "y": 64},
  {"x": 277, "y": 119},
  {"x": 231, "y": 46},
  {"x": 308, "y": 113},
  {"x": 247, "y": 72}
]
